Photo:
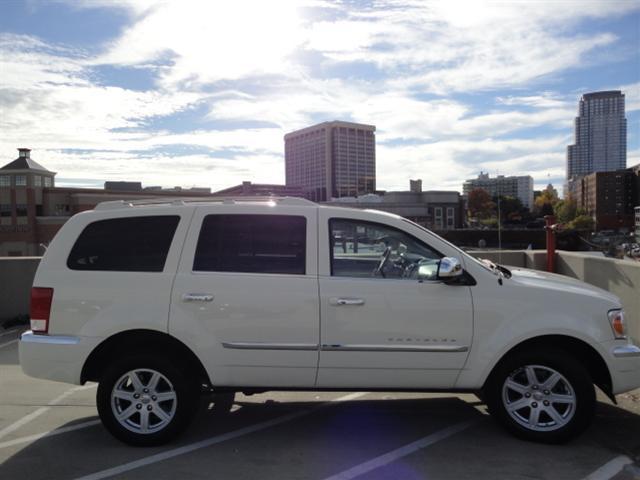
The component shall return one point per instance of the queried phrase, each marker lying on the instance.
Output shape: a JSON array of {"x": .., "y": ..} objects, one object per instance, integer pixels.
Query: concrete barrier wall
[
  {"x": 620, "y": 277},
  {"x": 16, "y": 279}
]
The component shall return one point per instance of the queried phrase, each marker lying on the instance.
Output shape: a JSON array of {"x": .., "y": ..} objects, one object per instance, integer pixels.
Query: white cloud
[{"x": 246, "y": 61}]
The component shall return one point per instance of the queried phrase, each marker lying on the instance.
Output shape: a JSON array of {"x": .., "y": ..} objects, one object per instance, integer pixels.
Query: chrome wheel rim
[
  {"x": 143, "y": 401},
  {"x": 539, "y": 398}
]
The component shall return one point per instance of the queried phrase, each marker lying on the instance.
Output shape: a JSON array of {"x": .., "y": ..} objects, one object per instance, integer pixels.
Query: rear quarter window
[{"x": 132, "y": 244}]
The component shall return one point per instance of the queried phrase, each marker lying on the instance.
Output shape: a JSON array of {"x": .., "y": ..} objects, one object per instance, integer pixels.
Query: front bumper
[
  {"x": 624, "y": 366},
  {"x": 55, "y": 357}
]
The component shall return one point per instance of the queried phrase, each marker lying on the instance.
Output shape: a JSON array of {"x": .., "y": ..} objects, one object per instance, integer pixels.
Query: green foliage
[
  {"x": 566, "y": 210},
  {"x": 544, "y": 203},
  {"x": 582, "y": 222},
  {"x": 490, "y": 222}
]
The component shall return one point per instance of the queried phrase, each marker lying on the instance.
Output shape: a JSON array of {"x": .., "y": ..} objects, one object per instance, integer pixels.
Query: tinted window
[
  {"x": 133, "y": 244},
  {"x": 366, "y": 249},
  {"x": 252, "y": 243}
]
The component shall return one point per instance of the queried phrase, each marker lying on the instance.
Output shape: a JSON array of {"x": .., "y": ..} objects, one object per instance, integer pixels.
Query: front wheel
[
  {"x": 145, "y": 400},
  {"x": 546, "y": 397}
]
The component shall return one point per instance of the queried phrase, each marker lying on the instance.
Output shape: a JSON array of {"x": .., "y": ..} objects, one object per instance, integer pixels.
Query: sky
[{"x": 201, "y": 93}]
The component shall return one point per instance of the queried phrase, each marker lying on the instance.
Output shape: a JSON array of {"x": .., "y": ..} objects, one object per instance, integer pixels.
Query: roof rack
[{"x": 118, "y": 204}]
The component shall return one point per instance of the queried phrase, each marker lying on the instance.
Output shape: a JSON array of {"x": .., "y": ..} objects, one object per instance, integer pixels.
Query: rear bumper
[
  {"x": 54, "y": 357},
  {"x": 624, "y": 366}
]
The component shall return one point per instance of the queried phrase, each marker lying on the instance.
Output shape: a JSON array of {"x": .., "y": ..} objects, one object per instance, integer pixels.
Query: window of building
[
  {"x": 438, "y": 216},
  {"x": 450, "y": 217},
  {"x": 48, "y": 181},
  {"x": 37, "y": 181},
  {"x": 5, "y": 181},
  {"x": 367, "y": 249},
  {"x": 252, "y": 244},
  {"x": 5, "y": 210},
  {"x": 21, "y": 180},
  {"x": 21, "y": 210},
  {"x": 133, "y": 244}
]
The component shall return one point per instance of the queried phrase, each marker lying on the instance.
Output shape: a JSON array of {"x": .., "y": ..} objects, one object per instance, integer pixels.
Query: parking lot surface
[{"x": 51, "y": 431}]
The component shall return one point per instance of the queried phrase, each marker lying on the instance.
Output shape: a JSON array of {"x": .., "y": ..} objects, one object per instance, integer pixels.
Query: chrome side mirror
[{"x": 449, "y": 267}]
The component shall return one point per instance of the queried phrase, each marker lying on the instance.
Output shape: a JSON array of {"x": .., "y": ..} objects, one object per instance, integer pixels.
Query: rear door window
[
  {"x": 132, "y": 244},
  {"x": 252, "y": 244}
]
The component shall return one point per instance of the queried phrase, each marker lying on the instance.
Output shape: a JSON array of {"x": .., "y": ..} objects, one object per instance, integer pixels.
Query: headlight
[{"x": 616, "y": 319}]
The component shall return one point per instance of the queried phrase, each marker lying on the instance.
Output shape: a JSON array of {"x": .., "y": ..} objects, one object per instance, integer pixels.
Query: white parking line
[
  {"x": 50, "y": 433},
  {"x": 36, "y": 413},
  {"x": 609, "y": 469},
  {"x": 394, "y": 455},
  {"x": 214, "y": 440},
  {"x": 10, "y": 342}
]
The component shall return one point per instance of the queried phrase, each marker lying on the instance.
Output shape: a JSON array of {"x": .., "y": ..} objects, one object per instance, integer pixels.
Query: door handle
[
  {"x": 197, "y": 297},
  {"x": 346, "y": 301}
]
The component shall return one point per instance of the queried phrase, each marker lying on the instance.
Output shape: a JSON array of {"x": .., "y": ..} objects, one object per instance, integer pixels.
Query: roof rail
[{"x": 118, "y": 204}]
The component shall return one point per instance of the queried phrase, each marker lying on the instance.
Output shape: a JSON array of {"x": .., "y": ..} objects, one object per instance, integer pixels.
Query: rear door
[{"x": 245, "y": 298}]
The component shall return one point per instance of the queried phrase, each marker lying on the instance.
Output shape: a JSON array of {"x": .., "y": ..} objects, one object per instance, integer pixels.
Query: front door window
[{"x": 365, "y": 249}]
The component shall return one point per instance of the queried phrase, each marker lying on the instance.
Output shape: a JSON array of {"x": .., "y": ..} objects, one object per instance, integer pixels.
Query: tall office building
[
  {"x": 331, "y": 160},
  {"x": 600, "y": 135}
]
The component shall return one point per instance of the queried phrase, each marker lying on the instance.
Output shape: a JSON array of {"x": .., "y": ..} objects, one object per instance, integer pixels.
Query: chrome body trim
[
  {"x": 626, "y": 351},
  {"x": 396, "y": 348},
  {"x": 269, "y": 346},
  {"x": 30, "y": 337}
]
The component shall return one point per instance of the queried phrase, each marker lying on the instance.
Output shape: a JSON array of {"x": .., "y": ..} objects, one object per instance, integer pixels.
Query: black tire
[
  {"x": 574, "y": 382},
  {"x": 176, "y": 380}
]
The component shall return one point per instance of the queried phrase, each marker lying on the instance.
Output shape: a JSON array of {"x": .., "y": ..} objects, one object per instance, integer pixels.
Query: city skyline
[{"x": 133, "y": 91}]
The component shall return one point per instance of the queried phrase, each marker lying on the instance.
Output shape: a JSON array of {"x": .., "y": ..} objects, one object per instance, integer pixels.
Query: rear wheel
[
  {"x": 145, "y": 400},
  {"x": 541, "y": 396}
]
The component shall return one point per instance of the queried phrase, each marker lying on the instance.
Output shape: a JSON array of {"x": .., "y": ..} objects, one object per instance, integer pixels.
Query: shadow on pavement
[{"x": 346, "y": 433}]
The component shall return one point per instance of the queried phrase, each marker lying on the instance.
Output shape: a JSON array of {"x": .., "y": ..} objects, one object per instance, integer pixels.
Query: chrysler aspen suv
[{"x": 160, "y": 302}]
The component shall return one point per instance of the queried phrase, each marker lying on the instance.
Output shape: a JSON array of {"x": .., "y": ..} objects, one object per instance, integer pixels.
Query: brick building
[{"x": 610, "y": 197}]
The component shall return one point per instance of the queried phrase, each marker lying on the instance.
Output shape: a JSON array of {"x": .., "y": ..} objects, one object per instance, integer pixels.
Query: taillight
[{"x": 40, "y": 309}]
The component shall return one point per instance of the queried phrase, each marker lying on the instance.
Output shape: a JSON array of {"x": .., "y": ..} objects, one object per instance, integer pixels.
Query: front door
[{"x": 386, "y": 320}]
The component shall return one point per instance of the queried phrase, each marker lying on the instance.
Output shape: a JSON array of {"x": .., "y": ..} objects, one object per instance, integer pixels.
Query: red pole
[{"x": 551, "y": 243}]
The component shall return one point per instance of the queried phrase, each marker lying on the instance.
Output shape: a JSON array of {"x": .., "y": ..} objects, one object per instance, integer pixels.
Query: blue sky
[{"x": 198, "y": 93}]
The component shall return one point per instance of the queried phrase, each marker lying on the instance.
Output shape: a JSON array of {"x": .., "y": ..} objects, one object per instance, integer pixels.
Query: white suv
[{"x": 159, "y": 302}]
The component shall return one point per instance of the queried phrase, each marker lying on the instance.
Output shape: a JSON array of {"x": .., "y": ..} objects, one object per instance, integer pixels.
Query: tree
[
  {"x": 566, "y": 210},
  {"x": 582, "y": 222},
  {"x": 511, "y": 208},
  {"x": 544, "y": 203},
  {"x": 480, "y": 204}
]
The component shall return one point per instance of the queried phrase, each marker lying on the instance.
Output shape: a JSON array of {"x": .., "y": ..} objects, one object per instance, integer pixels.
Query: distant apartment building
[
  {"x": 434, "y": 209},
  {"x": 600, "y": 135},
  {"x": 637, "y": 210},
  {"x": 610, "y": 198},
  {"x": 520, "y": 187},
  {"x": 331, "y": 160}
]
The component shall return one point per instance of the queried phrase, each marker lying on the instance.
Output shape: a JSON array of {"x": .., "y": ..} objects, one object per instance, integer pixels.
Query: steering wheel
[{"x": 383, "y": 262}]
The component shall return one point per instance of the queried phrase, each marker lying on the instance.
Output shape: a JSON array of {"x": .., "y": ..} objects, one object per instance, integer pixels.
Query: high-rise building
[
  {"x": 520, "y": 187},
  {"x": 331, "y": 160},
  {"x": 600, "y": 135}
]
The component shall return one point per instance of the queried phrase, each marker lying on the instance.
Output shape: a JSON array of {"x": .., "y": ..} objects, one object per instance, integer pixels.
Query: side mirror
[{"x": 449, "y": 267}]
